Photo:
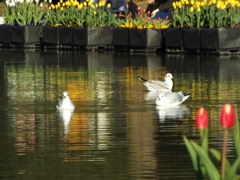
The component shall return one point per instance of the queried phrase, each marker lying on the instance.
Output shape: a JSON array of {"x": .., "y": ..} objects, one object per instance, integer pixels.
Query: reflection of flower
[{"x": 19, "y": 12}]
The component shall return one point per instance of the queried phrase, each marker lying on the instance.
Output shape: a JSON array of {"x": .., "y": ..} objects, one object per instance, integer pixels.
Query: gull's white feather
[
  {"x": 65, "y": 102},
  {"x": 152, "y": 85},
  {"x": 172, "y": 99}
]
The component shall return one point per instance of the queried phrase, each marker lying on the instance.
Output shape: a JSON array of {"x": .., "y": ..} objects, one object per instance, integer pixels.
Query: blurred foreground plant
[{"x": 202, "y": 163}]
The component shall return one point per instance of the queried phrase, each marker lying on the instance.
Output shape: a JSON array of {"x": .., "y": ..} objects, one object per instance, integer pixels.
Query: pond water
[{"x": 116, "y": 130}]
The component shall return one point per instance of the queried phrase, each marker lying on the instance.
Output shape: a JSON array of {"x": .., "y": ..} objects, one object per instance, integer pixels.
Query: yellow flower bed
[{"x": 207, "y": 13}]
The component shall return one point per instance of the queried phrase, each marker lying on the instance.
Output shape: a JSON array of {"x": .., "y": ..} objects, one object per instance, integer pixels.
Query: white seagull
[
  {"x": 65, "y": 102},
  {"x": 171, "y": 99},
  {"x": 158, "y": 85}
]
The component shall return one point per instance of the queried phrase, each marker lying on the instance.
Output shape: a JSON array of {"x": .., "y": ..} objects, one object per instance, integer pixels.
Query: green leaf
[
  {"x": 231, "y": 173},
  {"x": 236, "y": 135},
  {"x": 211, "y": 169},
  {"x": 194, "y": 158},
  {"x": 218, "y": 155}
]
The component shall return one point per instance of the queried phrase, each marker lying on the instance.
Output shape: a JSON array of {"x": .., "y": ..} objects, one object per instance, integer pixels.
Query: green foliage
[
  {"x": 73, "y": 13},
  {"x": 205, "y": 14},
  {"x": 202, "y": 163},
  {"x": 23, "y": 13}
]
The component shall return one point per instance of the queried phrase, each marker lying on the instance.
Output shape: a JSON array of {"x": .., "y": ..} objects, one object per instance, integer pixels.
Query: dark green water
[{"x": 116, "y": 131}]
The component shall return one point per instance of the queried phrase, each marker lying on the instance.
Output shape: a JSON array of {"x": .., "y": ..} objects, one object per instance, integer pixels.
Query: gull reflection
[
  {"x": 65, "y": 115},
  {"x": 172, "y": 112},
  {"x": 151, "y": 96}
]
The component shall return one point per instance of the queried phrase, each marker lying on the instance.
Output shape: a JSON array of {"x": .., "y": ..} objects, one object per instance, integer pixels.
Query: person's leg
[{"x": 162, "y": 15}]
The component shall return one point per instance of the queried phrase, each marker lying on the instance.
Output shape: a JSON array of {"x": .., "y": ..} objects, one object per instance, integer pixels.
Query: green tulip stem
[
  {"x": 224, "y": 150},
  {"x": 201, "y": 133}
]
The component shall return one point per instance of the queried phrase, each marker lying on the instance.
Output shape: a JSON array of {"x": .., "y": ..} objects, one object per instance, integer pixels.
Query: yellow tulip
[
  {"x": 100, "y": 3},
  {"x": 164, "y": 26},
  {"x": 198, "y": 9},
  {"x": 61, "y": 1},
  {"x": 132, "y": 25},
  {"x": 79, "y": 6},
  {"x": 76, "y": 3},
  {"x": 109, "y": 5},
  {"x": 122, "y": 26},
  {"x": 191, "y": 9},
  {"x": 61, "y": 9},
  {"x": 174, "y": 5},
  {"x": 180, "y": 6},
  {"x": 198, "y": 4},
  {"x": 150, "y": 26},
  {"x": 234, "y": 3},
  {"x": 94, "y": 12},
  {"x": 84, "y": 3}
]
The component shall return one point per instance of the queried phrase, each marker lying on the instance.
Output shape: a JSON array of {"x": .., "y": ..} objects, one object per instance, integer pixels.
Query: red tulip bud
[
  {"x": 149, "y": 13},
  {"x": 127, "y": 6},
  {"x": 139, "y": 8},
  {"x": 227, "y": 116},
  {"x": 202, "y": 118},
  {"x": 144, "y": 11},
  {"x": 167, "y": 17},
  {"x": 139, "y": 13}
]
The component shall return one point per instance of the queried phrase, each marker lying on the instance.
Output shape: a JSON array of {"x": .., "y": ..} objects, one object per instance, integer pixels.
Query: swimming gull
[
  {"x": 172, "y": 99},
  {"x": 158, "y": 85},
  {"x": 65, "y": 102}
]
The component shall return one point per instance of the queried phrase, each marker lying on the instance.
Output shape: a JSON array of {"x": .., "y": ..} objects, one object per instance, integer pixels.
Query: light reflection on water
[{"x": 116, "y": 131}]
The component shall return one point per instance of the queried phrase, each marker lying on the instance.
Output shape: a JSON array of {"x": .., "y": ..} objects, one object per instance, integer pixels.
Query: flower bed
[{"x": 74, "y": 24}]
